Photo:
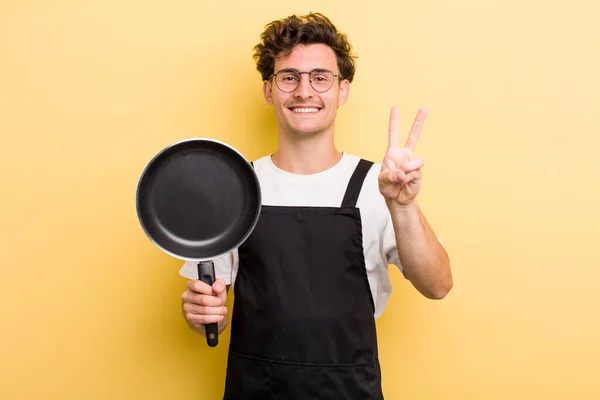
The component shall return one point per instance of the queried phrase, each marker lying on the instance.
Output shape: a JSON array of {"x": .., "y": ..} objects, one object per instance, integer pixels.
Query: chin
[{"x": 304, "y": 130}]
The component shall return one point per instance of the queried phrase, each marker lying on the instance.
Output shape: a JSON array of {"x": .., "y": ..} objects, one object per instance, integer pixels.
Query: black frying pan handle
[{"x": 206, "y": 273}]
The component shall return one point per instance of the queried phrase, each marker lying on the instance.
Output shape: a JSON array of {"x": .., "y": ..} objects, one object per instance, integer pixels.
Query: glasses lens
[
  {"x": 287, "y": 81},
  {"x": 321, "y": 80}
]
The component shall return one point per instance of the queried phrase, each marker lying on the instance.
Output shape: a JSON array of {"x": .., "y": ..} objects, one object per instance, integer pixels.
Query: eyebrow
[{"x": 313, "y": 70}]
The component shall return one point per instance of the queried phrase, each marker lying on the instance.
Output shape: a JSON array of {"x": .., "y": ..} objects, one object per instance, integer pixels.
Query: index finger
[{"x": 415, "y": 130}]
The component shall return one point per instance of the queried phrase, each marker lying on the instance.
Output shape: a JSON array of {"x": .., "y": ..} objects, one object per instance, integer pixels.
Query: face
[{"x": 306, "y": 112}]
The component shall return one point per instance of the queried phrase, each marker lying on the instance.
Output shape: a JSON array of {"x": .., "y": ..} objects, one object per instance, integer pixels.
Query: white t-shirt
[{"x": 327, "y": 189}]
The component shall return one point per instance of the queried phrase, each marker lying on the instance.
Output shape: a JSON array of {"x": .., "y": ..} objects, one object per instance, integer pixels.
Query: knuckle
[{"x": 198, "y": 286}]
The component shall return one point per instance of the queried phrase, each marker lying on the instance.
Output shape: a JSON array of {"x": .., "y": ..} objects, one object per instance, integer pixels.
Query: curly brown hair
[{"x": 280, "y": 36}]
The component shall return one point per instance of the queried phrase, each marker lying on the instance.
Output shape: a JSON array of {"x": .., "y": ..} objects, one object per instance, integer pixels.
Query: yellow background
[{"x": 90, "y": 91}]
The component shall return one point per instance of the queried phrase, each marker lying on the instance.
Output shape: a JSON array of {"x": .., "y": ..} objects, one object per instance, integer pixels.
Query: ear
[
  {"x": 344, "y": 92},
  {"x": 268, "y": 92}
]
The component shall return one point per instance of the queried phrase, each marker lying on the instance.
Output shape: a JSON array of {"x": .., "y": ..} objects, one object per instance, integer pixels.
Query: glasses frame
[{"x": 309, "y": 80}]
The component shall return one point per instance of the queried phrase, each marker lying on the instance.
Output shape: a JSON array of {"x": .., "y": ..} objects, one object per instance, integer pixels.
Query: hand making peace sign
[{"x": 400, "y": 176}]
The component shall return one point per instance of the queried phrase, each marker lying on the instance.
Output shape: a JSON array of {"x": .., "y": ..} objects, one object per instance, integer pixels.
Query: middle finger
[
  {"x": 204, "y": 310},
  {"x": 204, "y": 300}
]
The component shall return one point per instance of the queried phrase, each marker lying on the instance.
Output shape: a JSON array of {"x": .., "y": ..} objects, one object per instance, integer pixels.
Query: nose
[{"x": 304, "y": 89}]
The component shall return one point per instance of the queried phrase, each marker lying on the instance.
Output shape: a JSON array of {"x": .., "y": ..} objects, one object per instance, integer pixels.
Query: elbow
[
  {"x": 441, "y": 291},
  {"x": 437, "y": 285},
  {"x": 444, "y": 283},
  {"x": 439, "y": 295}
]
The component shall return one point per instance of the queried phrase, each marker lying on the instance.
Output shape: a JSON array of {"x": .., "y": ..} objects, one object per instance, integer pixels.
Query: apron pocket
[{"x": 250, "y": 378}]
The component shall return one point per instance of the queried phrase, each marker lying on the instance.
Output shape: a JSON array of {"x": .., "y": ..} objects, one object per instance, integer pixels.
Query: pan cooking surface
[{"x": 198, "y": 199}]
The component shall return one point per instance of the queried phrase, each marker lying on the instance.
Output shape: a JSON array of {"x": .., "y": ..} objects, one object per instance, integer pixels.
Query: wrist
[{"x": 395, "y": 206}]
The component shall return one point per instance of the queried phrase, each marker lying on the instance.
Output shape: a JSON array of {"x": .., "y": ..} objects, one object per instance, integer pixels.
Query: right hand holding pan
[{"x": 203, "y": 304}]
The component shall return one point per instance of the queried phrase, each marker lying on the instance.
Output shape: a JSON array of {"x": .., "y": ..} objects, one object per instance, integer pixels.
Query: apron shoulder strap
[{"x": 356, "y": 182}]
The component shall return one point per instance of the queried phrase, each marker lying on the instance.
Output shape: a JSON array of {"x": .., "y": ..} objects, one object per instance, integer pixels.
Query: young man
[{"x": 312, "y": 277}]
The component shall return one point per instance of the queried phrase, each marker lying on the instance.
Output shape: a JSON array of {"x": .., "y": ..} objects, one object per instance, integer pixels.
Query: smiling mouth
[{"x": 304, "y": 110}]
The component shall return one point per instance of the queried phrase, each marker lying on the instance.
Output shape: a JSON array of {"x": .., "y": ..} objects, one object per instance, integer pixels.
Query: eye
[{"x": 320, "y": 77}]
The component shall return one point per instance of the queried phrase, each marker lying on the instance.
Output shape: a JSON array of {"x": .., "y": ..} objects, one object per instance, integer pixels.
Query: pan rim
[{"x": 168, "y": 148}]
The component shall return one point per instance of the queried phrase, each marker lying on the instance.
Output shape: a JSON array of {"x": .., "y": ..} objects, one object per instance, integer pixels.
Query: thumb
[{"x": 219, "y": 288}]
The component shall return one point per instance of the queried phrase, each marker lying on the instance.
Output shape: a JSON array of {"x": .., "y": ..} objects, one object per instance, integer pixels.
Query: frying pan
[{"x": 197, "y": 200}]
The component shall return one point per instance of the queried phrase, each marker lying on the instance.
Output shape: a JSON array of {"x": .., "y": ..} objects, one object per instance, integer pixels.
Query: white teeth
[{"x": 305, "y": 110}]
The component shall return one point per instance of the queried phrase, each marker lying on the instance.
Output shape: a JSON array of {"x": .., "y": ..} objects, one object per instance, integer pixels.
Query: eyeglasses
[{"x": 288, "y": 79}]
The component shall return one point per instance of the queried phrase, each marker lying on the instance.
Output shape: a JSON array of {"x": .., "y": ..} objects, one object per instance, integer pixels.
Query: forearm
[{"x": 422, "y": 256}]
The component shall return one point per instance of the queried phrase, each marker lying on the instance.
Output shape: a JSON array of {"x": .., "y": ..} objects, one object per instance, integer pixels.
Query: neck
[{"x": 308, "y": 155}]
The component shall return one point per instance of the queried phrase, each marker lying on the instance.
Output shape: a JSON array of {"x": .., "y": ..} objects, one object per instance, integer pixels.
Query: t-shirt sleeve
[{"x": 224, "y": 267}]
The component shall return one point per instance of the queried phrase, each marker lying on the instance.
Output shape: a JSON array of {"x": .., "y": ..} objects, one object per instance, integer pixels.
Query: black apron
[{"x": 303, "y": 323}]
